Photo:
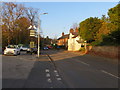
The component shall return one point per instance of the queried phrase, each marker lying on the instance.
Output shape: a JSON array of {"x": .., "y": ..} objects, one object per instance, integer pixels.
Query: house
[
  {"x": 74, "y": 43},
  {"x": 63, "y": 40}
]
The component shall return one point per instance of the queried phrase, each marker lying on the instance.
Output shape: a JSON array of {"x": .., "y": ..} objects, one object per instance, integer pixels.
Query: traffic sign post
[{"x": 32, "y": 29}]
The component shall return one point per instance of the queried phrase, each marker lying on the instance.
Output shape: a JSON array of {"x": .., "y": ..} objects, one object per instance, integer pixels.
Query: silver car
[{"x": 12, "y": 50}]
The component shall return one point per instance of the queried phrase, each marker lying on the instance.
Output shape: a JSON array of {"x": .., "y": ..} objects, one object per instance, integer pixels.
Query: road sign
[
  {"x": 32, "y": 33},
  {"x": 32, "y": 44}
]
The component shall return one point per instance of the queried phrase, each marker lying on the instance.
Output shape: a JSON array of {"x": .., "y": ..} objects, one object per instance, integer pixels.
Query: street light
[{"x": 39, "y": 32}]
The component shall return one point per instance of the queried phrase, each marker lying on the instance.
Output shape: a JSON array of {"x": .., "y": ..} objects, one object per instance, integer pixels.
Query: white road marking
[
  {"x": 47, "y": 70},
  {"x": 59, "y": 79},
  {"x": 110, "y": 74},
  {"x": 49, "y": 80},
  {"x": 55, "y": 70},
  {"x": 85, "y": 63},
  {"x": 47, "y": 75},
  {"x": 57, "y": 75}
]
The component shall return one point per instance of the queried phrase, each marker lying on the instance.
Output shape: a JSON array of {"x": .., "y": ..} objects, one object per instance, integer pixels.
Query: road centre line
[
  {"x": 110, "y": 74},
  {"x": 85, "y": 63}
]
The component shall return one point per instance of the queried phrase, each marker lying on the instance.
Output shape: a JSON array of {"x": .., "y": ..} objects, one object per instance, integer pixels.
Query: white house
[{"x": 73, "y": 41}]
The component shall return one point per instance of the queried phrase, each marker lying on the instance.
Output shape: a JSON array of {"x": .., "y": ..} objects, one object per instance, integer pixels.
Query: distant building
[
  {"x": 63, "y": 40},
  {"x": 74, "y": 43}
]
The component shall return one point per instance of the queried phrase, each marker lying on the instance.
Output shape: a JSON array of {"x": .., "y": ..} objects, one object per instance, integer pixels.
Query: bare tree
[
  {"x": 31, "y": 14},
  {"x": 74, "y": 26},
  {"x": 11, "y": 12},
  {"x": 16, "y": 18}
]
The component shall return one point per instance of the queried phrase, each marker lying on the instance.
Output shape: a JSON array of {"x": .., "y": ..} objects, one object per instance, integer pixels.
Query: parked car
[
  {"x": 12, "y": 50},
  {"x": 49, "y": 47},
  {"x": 32, "y": 50},
  {"x": 23, "y": 48},
  {"x": 45, "y": 48}
]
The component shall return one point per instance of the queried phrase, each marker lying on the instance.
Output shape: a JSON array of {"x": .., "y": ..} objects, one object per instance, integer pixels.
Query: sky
[{"x": 63, "y": 15}]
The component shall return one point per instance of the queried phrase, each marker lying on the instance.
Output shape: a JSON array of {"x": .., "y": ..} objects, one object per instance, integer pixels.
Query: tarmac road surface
[{"x": 58, "y": 69}]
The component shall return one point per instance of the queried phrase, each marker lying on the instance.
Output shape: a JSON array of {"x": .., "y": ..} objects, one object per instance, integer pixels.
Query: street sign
[
  {"x": 31, "y": 44},
  {"x": 32, "y": 33}
]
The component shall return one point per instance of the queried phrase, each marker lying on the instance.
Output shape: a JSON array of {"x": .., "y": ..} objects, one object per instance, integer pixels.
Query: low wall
[{"x": 105, "y": 51}]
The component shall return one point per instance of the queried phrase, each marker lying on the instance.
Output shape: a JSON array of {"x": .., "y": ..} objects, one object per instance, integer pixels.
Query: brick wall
[{"x": 105, "y": 51}]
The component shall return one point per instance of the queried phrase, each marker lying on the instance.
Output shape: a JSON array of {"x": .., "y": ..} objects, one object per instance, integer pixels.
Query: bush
[
  {"x": 111, "y": 39},
  {"x": 95, "y": 43},
  {"x": 82, "y": 49}
]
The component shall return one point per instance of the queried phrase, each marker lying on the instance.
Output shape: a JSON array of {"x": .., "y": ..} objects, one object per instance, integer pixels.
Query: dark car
[
  {"x": 32, "y": 50},
  {"x": 45, "y": 48}
]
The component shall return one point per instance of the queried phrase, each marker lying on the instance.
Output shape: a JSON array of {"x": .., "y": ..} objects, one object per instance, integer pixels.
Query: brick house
[{"x": 63, "y": 40}]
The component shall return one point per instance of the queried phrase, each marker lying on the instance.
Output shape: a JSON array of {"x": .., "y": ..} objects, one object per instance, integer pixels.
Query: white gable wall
[{"x": 73, "y": 45}]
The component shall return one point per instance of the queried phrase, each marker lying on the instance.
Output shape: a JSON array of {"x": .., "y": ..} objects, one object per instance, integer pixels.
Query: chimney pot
[
  {"x": 71, "y": 30},
  {"x": 62, "y": 33}
]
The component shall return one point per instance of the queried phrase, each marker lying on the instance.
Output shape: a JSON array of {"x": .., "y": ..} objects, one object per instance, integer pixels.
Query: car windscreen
[{"x": 11, "y": 46}]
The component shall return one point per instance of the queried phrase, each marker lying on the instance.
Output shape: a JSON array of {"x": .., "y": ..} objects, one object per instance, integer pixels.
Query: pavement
[{"x": 27, "y": 71}]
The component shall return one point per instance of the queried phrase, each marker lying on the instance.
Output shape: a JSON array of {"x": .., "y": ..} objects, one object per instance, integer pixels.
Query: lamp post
[{"x": 39, "y": 32}]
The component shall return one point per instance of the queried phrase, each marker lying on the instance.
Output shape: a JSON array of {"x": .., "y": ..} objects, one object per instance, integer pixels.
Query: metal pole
[
  {"x": 38, "y": 35},
  {"x": 39, "y": 32}
]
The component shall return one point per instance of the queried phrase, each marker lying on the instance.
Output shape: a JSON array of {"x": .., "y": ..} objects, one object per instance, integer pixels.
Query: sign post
[{"x": 32, "y": 35}]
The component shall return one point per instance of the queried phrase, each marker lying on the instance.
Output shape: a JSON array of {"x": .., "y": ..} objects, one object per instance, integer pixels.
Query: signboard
[
  {"x": 32, "y": 44},
  {"x": 32, "y": 33}
]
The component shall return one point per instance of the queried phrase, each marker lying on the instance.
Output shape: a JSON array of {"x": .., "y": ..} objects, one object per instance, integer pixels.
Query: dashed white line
[
  {"x": 47, "y": 75},
  {"x": 57, "y": 75},
  {"x": 47, "y": 70},
  {"x": 110, "y": 74},
  {"x": 85, "y": 63},
  {"x": 59, "y": 79},
  {"x": 49, "y": 80},
  {"x": 55, "y": 70}
]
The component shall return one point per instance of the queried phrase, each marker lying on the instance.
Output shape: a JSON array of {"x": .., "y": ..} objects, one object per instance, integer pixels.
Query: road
[{"x": 59, "y": 69}]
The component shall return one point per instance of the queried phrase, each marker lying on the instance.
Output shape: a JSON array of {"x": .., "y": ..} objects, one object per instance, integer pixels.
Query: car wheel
[
  {"x": 15, "y": 54},
  {"x": 19, "y": 53}
]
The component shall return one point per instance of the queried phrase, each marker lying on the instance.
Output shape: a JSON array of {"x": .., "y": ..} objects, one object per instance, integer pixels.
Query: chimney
[
  {"x": 71, "y": 30},
  {"x": 76, "y": 30},
  {"x": 62, "y": 33}
]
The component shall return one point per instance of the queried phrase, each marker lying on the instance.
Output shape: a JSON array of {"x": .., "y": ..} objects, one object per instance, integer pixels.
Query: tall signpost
[{"x": 32, "y": 35}]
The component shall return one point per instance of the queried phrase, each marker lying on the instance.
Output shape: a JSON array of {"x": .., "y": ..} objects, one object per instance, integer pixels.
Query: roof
[
  {"x": 64, "y": 36},
  {"x": 75, "y": 34}
]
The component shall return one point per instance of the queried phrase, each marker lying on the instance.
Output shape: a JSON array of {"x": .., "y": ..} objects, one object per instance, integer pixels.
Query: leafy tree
[
  {"x": 114, "y": 15},
  {"x": 89, "y": 28},
  {"x": 105, "y": 29},
  {"x": 112, "y": 39},
  {"x": 113, "y": 26}
]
